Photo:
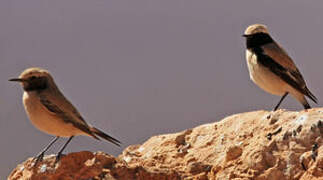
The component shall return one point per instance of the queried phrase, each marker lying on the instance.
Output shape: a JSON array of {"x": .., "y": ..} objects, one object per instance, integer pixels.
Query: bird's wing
[
  {"x": 285, "y": 69},
  {"x": 59, "y": 106},
  {"x": 277, "y": 53}
]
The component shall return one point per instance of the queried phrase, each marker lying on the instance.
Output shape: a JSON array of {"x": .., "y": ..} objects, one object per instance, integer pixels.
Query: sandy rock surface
[{"x": 257, "y": 145}]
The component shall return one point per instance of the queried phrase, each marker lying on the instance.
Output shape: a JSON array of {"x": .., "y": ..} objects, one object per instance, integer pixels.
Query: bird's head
[
  {"x": 34, "y": 79},
  {"x": 255, "y": 29},
  {"x": 257, "y": 35}
]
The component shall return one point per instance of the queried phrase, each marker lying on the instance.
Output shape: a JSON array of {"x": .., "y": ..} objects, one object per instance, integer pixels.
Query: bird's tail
[
  {"x": 310, "y": 95},
  {"x": 105, "y": 136}
]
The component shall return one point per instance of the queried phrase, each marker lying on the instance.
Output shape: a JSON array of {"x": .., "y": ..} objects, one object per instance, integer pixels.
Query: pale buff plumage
[
  {"x": 45, "y": 120},
  {"x": 50, "y": 112},
  {"x": 269, "y": 81}
]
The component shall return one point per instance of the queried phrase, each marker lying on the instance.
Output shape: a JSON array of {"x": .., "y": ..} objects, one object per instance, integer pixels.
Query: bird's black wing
[{"x": 291, "y": 77}]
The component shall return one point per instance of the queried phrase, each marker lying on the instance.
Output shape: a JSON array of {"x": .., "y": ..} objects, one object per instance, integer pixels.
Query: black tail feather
[
  {"x": 310, "y": 95},
  {"x": 105, "y": 136}
]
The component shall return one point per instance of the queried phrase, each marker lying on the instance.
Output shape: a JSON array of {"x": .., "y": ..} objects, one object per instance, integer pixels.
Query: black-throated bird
[{"x": 272, "y": 69}]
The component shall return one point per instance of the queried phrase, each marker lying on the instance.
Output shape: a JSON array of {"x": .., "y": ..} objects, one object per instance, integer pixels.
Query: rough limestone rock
[{"x": 257, "y": 145}]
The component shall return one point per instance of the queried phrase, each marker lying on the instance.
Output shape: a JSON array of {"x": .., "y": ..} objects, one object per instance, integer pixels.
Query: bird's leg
[
  {"x": 41, "y": 154},
  {"x": 280, "y": 101},
  {"x": 306, "y": 106},
  {"x": 59, "y": 154}
]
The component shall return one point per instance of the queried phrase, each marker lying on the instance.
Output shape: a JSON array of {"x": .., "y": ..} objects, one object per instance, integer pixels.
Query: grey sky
[{"x": 137, "y": 68}]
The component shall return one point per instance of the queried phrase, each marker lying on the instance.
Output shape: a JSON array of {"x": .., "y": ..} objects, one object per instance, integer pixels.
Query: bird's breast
[
  {"x": 45, "y": 120},
  {"x": 263, "y": 77}
]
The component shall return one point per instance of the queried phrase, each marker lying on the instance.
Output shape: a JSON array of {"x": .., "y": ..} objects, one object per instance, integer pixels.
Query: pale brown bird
[
  {"x": 51, "y": 112},
  {"x": 272, "y": 69}
]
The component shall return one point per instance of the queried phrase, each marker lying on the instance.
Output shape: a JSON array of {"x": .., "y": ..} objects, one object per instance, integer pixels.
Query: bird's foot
[
  {"x": 58, "y": 157},
  {"x": 38, "y": 158},
  {"x": 270, "y": 114}
]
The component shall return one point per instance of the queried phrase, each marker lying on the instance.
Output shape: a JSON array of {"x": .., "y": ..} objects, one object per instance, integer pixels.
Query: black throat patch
[
  {"x": 258, "y": 39},
  {"x": 36, "y": 84}
]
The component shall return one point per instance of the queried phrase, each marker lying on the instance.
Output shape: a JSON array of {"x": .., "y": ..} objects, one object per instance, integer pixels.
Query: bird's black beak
[
  {"x": 244, "y": 35},
  {"x": 17, "y": 80}
]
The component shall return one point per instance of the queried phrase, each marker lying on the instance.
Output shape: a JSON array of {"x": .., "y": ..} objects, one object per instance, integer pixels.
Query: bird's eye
[{"x": 33, "y": 77}]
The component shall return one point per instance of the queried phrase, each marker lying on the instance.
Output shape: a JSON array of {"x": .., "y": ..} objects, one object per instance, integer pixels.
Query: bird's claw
[
  {"x": 38, "y": 158},
  {"x": 58, "y": 157}
]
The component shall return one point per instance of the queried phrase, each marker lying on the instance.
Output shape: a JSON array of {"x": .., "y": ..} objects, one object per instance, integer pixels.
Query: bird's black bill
[
  {"x": 245, "y": 35},
  {"x": 17, "y": 80}
]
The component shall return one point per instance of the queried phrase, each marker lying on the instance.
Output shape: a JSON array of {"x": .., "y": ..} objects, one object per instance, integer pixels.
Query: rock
[
  {"x": 233, "y": 152},
  {"x": 84, "y": 165},
  {"x": 257, "y": 145}
]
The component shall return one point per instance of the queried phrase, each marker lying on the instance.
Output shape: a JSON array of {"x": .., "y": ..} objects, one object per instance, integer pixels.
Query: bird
[
  {"x": 272, "y": 69},
  {"x": 50, "y": 112}
]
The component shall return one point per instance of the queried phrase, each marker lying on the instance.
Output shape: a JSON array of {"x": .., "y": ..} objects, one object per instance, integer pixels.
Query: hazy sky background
[{"x": 138, "y": 68}]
